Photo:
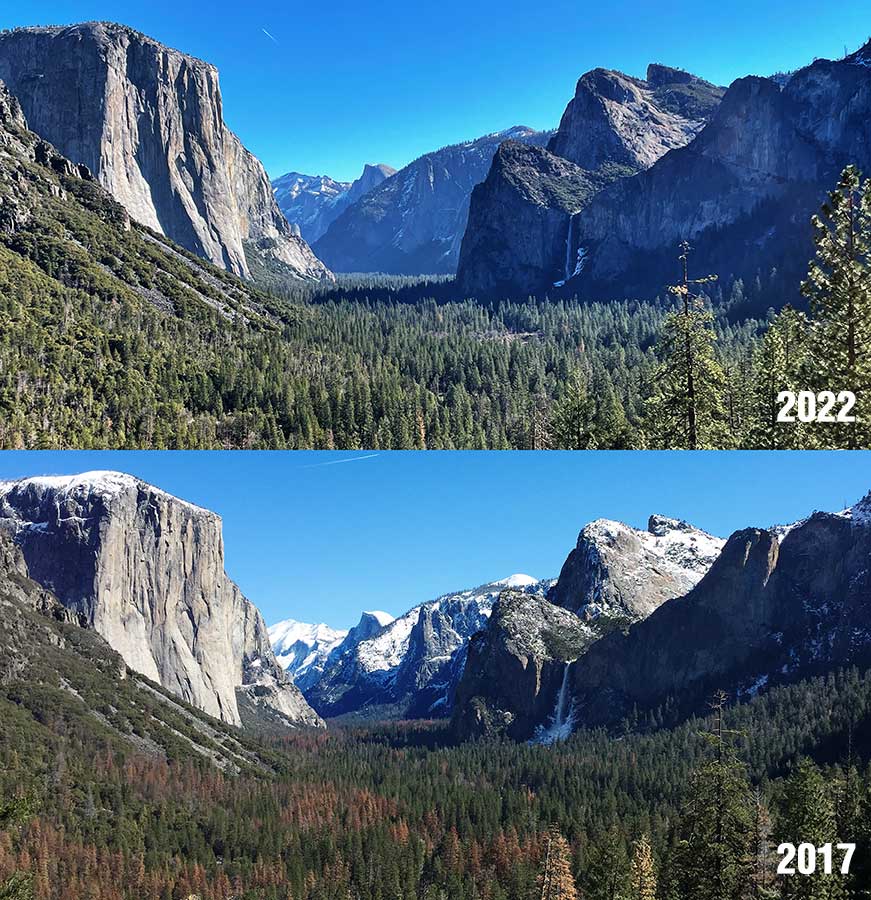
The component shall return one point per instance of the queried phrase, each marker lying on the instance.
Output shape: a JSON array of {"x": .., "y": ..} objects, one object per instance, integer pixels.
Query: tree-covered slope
[{"x": 62, "y": 685}]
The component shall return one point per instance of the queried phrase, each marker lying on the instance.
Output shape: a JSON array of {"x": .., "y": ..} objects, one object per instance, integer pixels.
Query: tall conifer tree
[
  {"x": 839, "y": 289},
  {"x": 687, "y": 410}
]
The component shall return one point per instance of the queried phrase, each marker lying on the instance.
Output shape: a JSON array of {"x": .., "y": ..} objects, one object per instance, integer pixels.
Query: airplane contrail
[
  {"x": 271, "y": 38},
  {"x": 336, "y": 462}
]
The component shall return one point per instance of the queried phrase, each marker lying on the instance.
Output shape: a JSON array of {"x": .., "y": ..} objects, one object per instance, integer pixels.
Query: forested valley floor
[
  {"x": 112, "y": 337},
  {"x": 398, "y": 812}
]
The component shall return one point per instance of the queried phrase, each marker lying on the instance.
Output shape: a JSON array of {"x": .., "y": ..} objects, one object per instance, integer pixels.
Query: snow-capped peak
[
  {"x": 288, "y": 632},
  {"x": 382, "y": 618},
  {"x": 517, "y": 580},
  {"x": 302, "y": 648}
]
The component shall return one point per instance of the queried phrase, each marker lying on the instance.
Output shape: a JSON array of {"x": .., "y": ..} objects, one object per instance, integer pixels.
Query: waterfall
[
  {"x": 568, "y": 266},
  {"x": 561, "y": 722}
]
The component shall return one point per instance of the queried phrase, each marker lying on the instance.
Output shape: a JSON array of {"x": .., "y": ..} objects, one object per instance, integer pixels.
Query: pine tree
[
  {"x": 808, "y": 816},
  {"x": 839, "y": 288},
  {"x": 572, "y": 427},
  {"x": 606, "y": 869},
  {"x": 713, "y": 859},
  {"x": 687, "y": 408},
  {"x": 539, "y": 433},
  {"x": 763, "y": 877},
  {"x": 642, "y": 875},
  {"x": 556, "y": 881}
]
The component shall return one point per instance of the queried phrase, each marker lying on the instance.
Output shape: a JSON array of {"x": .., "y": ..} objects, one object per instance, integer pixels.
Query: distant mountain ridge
[
  {"x": 313, "y": 202},
  {"x": 409, "y": 666},
  {"x": 414, "y": 221},
  {"x": 302, "y": 649}
]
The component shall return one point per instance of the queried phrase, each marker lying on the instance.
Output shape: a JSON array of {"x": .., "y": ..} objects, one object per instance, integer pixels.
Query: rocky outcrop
[
  {"x": 17, "y": 585},
  {"x": 370, "y": 178},
  {"x": 623, "y": 572},
  {"x": 146, "y": 571},
  {"x": 520, "y": 238},
  {"x": 615, "y": 119},
  {"x": 778, "y": 605},
  {"x": 410, "y": 666},
  {"x": 515, "y": 667},
  {"x": 518, "y": 235},
  {"x": 313, "y": 202},
  {"x": 414, "y": 222},
  {"x": 615, "y": 576},
  {"x": 148, "y": 122},
  {"x": 742, "y": 191}
]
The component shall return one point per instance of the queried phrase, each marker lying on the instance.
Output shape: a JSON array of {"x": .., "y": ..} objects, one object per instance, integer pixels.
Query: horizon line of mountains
[
  {"x": 594, "y": 208},
  {"x": 641, "y": 624}
]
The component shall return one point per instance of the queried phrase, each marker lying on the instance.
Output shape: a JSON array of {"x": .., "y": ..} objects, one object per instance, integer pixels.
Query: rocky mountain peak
[
  {"x": 859, "y": 513},
  {"x": 616, "y": 119},
  {"x": 148, "y": 122},
  {"x": 619, "y": 571},
  {"x": 659, "y": 75},
  {"x": 313, "y": 202},
  {"x": 372, "y": 621},
  {"x": 662, "y": 525}
]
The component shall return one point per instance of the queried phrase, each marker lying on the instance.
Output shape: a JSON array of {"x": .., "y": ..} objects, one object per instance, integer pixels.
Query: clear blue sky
[
  {"x": 318, "y": 541},
  {"x": 345, "y": 82}
]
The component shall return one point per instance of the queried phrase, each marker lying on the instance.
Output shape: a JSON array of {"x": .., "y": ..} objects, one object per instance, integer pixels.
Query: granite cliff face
[
  {"x": 520, "y": 234},
  {"x": 517, "y": 236},
  {"x": 16, "y": 585},
  {"x": 148, "y": 122},
  {"x": 624, "y": 572},
  {"x": 515, "y": 666},
  {"x": 146, "y": 571},
  {"x": 616, "y": 119},
  {"x": 48, "y": 657},
  {"x": 778, "y": 605},
  {"x": 313, "y": 202},
  {"x": 615, "y": 576},
  {"x": 742, "y": 191},
  {"x": 414, "y": 222}
]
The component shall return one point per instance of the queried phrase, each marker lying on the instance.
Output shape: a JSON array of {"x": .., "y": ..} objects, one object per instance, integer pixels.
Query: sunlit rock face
[
  {"x": 146, "y": 570},
  {"x": 148, "y": 122}
]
